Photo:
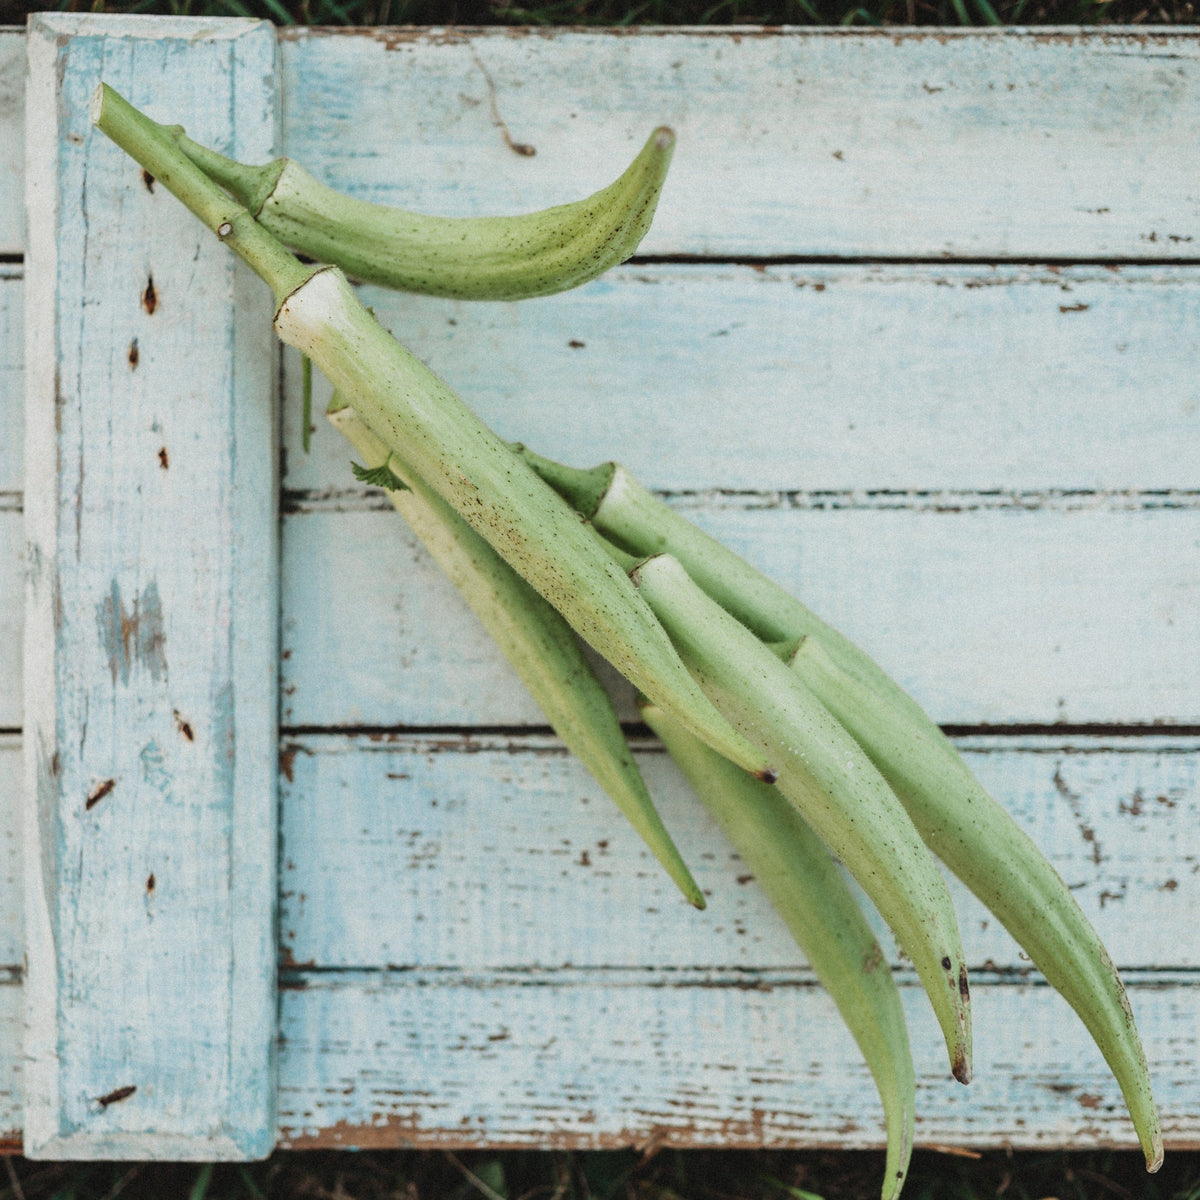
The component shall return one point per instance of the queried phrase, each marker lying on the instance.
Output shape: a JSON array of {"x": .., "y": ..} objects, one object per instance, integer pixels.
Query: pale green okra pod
[
  {"x": 981, "y": 843},
  {"x": 801, "y": 880},
  {"x": 533, "y": 637},
  {"x": 831, "y": 782},
  {"x": 466, "y": 258}
]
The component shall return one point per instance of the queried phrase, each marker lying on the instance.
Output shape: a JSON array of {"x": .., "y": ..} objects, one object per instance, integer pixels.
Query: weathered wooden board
[
  {"x": 514, "y": 1059},
  {"x": 986, "y": 474},
  {"x": 12, "y": 931},
  {"x": 1027, "y": 144},
  {"x": 12, "y": 374},
  {"x": 149, "y": 651},
  {"x": 1077, "y": 612},
  {"x": 11, "y": 611},
  {"x": 447, "y": 852},
  {"x": 866, "y": 378},
  {"x": 12, "y": 140},
  {"x": 462, "y": 1017},
  {"x": 1048, "y": 136}
]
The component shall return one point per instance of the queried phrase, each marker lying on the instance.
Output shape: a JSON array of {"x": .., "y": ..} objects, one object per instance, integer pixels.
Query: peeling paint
[{"x": 133, "y": 636}]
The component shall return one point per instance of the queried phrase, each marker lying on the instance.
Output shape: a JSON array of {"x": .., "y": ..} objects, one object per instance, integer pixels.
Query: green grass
[
  {"x": 649, "y": 12},
  {"x": 612, "y": 1175}
]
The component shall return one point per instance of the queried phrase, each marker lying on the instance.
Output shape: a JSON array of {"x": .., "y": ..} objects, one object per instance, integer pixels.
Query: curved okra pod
[
  {"x": 532, "y": 636},
  {"x": 466, "y": 258},
  {"x": 833, "y": 785},
  {"x": 987, "y": 850},
  {"x": 803, "y": 883},
  {"x": 415, "y": 413}
]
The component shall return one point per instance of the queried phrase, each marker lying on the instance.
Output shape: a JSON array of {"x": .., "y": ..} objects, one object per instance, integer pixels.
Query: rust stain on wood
[
  {"x": 150, "y": 296},
  {"x": 183, "y": 726},
  {"x": 98, "y": 793},
  {"x": 116, "y": 1096},
  {"x": 404, "y": 1131}
]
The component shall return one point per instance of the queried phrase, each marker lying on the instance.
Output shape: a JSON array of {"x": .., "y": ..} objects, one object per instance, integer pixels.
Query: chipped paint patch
[{"x": 133, "y": 636}]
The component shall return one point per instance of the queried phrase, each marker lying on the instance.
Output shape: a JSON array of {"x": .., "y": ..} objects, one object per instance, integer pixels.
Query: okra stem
[{"x": 155, "y": 148}]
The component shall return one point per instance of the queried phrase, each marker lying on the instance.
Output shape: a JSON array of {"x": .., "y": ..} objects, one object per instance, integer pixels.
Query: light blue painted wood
[
  {"x": 1016, "y": 143},
  {"x": 11, "y": 611},
  {"x": 12, "y": 375},
  {"x": 513, "y": 1058},
  {"x": 12, "y": 932},
  {"x": 151, "y": 612},
  {"x": 979, "y": 575},
  {"x": 442, "y": 853},
  {"x": 12, "y": 140},
  {"x": 826, "y": 378},
  {"x": 1078, "y": 610}
]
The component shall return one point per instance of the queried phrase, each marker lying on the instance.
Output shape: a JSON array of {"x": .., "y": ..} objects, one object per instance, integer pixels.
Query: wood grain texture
[
  {"x": 944, "y": 459},
  {"x": 437, "y": 852},
  {"x": 452, "y": 1059},
  {"x": 1027, "y": 144},
  {"x": 12, "y": 574},
  {"x": 151, "y": 612},
  {"x": 858, "y": 378},
  {"x": 993, "y": 615},
  {"x": 12, "y": 375},
  {"x": 12, "y": 932},
  {"x": 12, "y": 140}
]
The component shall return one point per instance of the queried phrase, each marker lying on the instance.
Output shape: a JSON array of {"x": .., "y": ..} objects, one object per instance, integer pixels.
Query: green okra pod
[
  {"x": 803, "y": 883},
  {"x": 834, "y": 786},
  {"x": 466, "y": 258},
  {"x": 532, "y": 636},
  {"x": 981, "y": 843}
]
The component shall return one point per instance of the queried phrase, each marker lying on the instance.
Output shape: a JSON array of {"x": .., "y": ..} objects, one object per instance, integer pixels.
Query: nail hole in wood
[
  {"x": 134, "y": 355},
  {"x": 164, "y": 460},
  {"x": 150, "y": 296},
  {"x": 150, "y": 883},
  {"x": 98, "y": 793},
  {"x": 184, "y": 727},
  {"x": 115, "y": 1097},
  {"x": 148, "y": 180}
]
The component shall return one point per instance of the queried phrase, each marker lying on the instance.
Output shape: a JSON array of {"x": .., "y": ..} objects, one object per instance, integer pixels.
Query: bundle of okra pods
[{"x": 801, "y": 746}]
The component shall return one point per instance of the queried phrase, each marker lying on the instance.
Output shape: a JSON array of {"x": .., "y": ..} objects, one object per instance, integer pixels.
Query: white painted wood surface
[
  {"x": 376, "y": 831},
  {"x": 1025, "y": 144},
  {"x": 151, "y": 612},
  {"x": 988, "y": 474}
]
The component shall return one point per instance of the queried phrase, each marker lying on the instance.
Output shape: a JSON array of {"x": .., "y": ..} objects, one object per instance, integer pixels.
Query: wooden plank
[
  {"x": 443, "y": 852},
  {"x": 150, "y": 634},
  {"x": 12, "y": 419},
  {"x": 596, "y": 1059},
  {"x": 1012, "y": 143},
  {"x": 12, "y": 375},
  {"x": 12, "y": 140},
  {"x": 11, "y": 611},
  {"x": 12, "y": 933},
  {"x": 1077, "y": 610},
  {"x": 822, "y": 378}
]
